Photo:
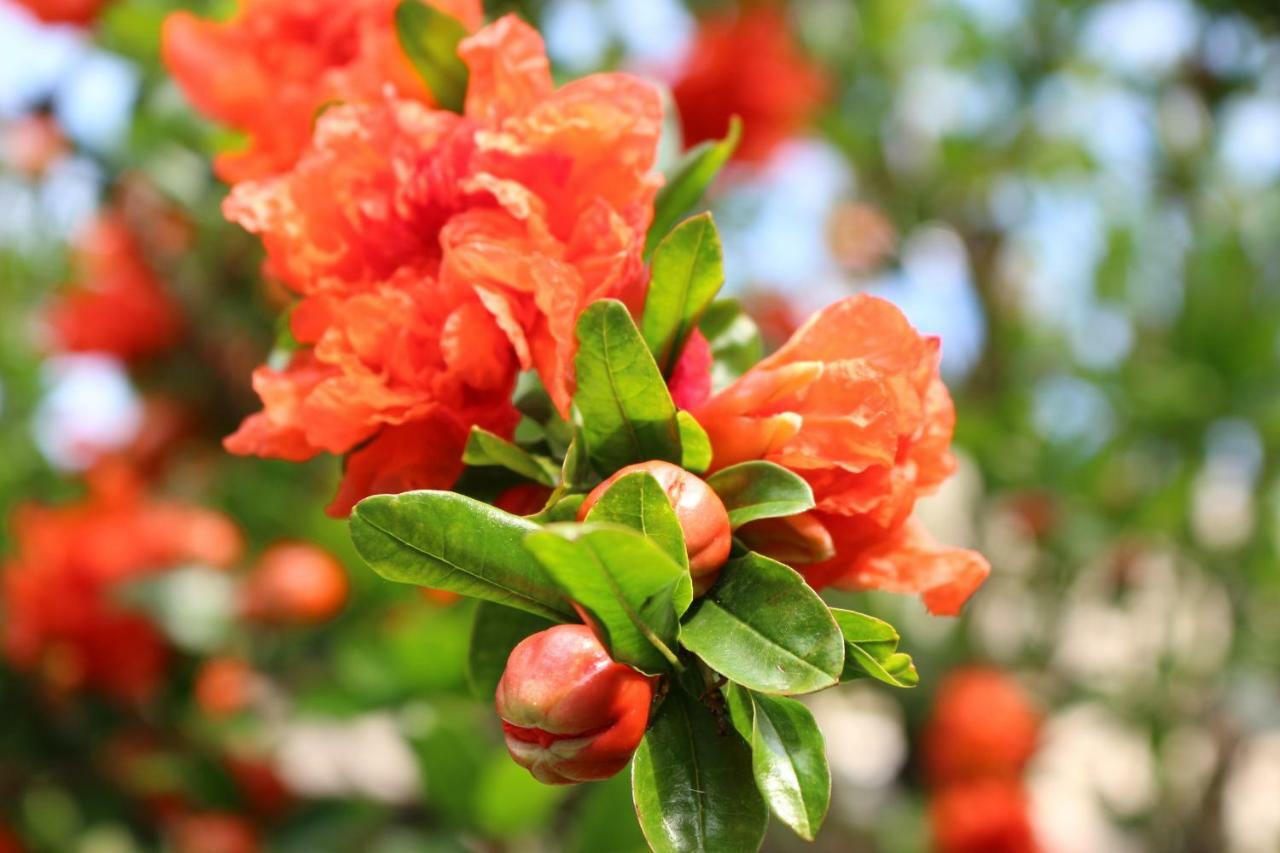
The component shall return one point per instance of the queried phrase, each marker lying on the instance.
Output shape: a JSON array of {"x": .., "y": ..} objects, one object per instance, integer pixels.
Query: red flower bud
[
  {"x": 570, "y": 712},
  {"x": 295, "y": 583},
  {"x": 701, "y": 513}
]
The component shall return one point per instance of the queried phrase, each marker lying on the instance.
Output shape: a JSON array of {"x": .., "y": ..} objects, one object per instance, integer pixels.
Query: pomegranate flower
[
  {"x": 748, "y": 65},
  {"x": 438, "y": 254},
  {"x": 269, "y": 69},
  {"x": 62, "y": 619},
  {"x": 116, "y": 304},
  {"x": 854, "y": 404}
]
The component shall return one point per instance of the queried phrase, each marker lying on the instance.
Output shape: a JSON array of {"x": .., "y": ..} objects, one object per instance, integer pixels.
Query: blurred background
[{"x": 1081, "y": 198}]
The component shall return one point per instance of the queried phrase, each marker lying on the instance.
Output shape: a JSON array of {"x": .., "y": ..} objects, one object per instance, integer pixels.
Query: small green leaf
[
  {"x": 430, "y": 39},
  {"x": 871, "y": 649},
  {"x": 487, "y": 449},
  {"x": 632, "y": 591},
  {"x": 565, "y": 509},
  {"x": 689, "y": 180},
  {"x": 686, "y": 273},
  {"x": 695, "y": 446},
  {"x": 735, "y": 341},
  {"x": 691, "y": 784},
  {"x": 638, "y": 501},
  {"x": 755, "y": 490},
  {"x": 622, "y": 405},
  {"x": 495, "y": 631},
  {"x": 763, "y": 627},
  {"x": 788, "y": 757},
  {"x": 450, "y": 541}
]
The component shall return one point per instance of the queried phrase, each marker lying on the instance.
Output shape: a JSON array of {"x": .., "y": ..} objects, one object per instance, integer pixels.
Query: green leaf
[
  {"x": 735, "y": 341},
  {"x": 450, "y": 541},
  {"x": 691, "y": 784},
  {"x": 686, "y": 273},
  {"x": 638, "y": 501},
  {"x": 788, "y": 757},
  {"x": 495, "y": 631},
  {"x": 755, "y": 490},
  {"x": 695, "y": 446},
  {"x": 605, "y": 820},
  {"x": 430, "y": 39},
  {"x": 487, "y": 449},
  {"x": 871, "y": 649},
  {"x": 510, "y": 803},
  {"x": 689, "y": 180},
  {"x": 565, "y": 509},
  {"x": 630, "y": 588},
  {"x": 764, "y": 628},
  {"x": 622, "y": 404}
]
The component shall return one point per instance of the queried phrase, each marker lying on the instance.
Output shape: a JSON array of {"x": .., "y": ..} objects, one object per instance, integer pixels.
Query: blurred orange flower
[
  {"x": 214, "y": 832},
  {"x": 276, "y": 63},
  {"x": 62, "y": 618},
  {"x": 748, "y": 65},
  {"x": 983, "y": 725},
  {"x": 854, "y": 404},
  {"x": 295, "y": 583},
  {"x": 65, "y": 11},
  {"x": 983, "y": 816},
  {"x": 438, "y": 254},
  {"x": 116, "y": 304},
  {"x": 224, "y": 686}
]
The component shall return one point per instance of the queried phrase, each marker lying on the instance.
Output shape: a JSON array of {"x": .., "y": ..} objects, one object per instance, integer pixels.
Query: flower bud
[
  {"x": 571, "y": 713},
  {"x": 701, "y": 514},
  {"x": 295, "y": 583},
  {"x": 794, "y": 540}
]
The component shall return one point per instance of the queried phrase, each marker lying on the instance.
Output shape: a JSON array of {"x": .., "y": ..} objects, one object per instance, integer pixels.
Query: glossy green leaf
[
  {"x": 755, "y": 490},
  {"x": 689, "y": 180},
  {"x": 638, "y": 501},
  {"x": 871, "y": 649},
  {"x": 509, "y": 802},
  {"x": 487, "y": 449},
  {"x": 686, "y": 273},
  {"x": 630, "y": 588},
  {"x": 763, "y": 627},
  {"x": 430, "y": 39},
  {"x": 735, "y": 341},
  {"x": 495, "y": 631},
  {"x": 605, "y": 820},
  {"x": 450, "y": 541},
  {"x": 695, "y": 446},
  {"x": 564, "y": 509},
  {"x": 692, "y": 784},
  {"x": 788, "y": 757},
  {"x": 622, "y": 405}
]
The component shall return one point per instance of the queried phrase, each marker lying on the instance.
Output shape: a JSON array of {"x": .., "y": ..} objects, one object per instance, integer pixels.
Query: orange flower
[
  {"x": 62, "y": 619},
  {"x": 985, "y": 816},
  {"x": 80, "y": 12},
  {"x": 854, "y": 404},
  {"x": 438, "y": 254},
  {"x": 270, "y": 69},
  {"x": 116, "y": 304},
  {"x": 750, "y": 66},
  {"x": 983, "y": 725},
  {"x": 224, "y": 686},
  {"x": 295, "y": 583},
  {"x": 213, "y": 832}
]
